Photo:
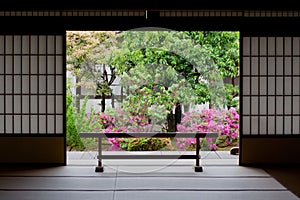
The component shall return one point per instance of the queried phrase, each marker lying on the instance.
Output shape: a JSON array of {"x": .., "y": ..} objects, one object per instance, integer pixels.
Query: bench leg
[
  {"x": 99, "y": 168},
  {"x": 198, "y": 168}
]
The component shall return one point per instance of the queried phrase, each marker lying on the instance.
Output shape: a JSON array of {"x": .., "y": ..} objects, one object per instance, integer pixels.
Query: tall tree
[
  {"x": 141, "y": 51},
  {"x": 87, "y": 57}
]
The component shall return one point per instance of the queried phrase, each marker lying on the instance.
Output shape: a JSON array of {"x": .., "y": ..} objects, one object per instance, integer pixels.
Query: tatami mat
[{"x": 141, "y": 181}]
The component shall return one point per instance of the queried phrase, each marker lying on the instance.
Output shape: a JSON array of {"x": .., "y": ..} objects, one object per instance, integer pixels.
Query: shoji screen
[
  {"x": 271, "y": 86},
  {"x": 32, "y": 95},
  {"x": 31, "y": 79},
  {"x": 270, "y": 99}
]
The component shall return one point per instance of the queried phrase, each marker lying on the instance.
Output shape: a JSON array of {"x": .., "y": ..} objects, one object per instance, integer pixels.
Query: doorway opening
[{"x": 153, "y": 80}]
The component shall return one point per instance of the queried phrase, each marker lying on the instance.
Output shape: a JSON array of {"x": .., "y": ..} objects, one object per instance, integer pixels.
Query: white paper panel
[
  {"x": 254, "y": 106},
  {"x": 271, "y": 46},
  {"x": 271, "y": 125},
  {"x": 2, "y": 122},
  {"x": 296, "y": 105},
  {"x": 59, "y": 44},
  {"x": 50, "y": 44},
  {"x": 254, "y": 46},
  {"x": 42, "y": 124},
  {"x": 17, "y": 65},
  {"x": 17, "y": 124},
  {"x": 42, "y": 84},
  {"x": 263, "y": 66},
  {"x": 263, "y": 105},
  {"x": 246, "y": 105},
  {"x": 2, "y": 48},
  {"x": 34, "y": 65},
  {"x": 271, "y": 66},
  {"x": 288, "y": 105},
  {"x": 288, "y": 66},
  {"x": 9, "y": 84},
  {"x": 34, "y": 84},
  {"x": 279, "y": 66},
  {"x": 288, "y": 46},
  {"x": 271, "y": 105},
  {"x": 17, "y": 104},
  {"x": 2, "y": 66},
  {"x": 42, "y": 104},
  {"x": 296, "y": 66},
  {"x": 254, "y": 125},
  {"x": 2, "y": 84},
  {"x": 296, "y": 86},
  {"x": 25, "y": 84},
  {"x": 42, "y": 65},
  {"x": 25, "y": 104},
  {"x": 254, "y": 66},
  {"x": 262, "y": 125},
  {"x": 9, "y": 104},
  {"x": 1, "y": 104},
  {"x": 59, "y": 124},
  {"x": 271, "y": 86},
  {"x": 25, "y": 44},
  {"x": 254, "y": 86},
  {"x": 17, "y": 84},
  {"x": 17, "y": 44},
  {"x": 8, "y": 65},
  {"x": 263, "y": 86},
  {"x": 263, "y": 46},
  {"x": 279, "y": 125},
  {"x": 51, "y": 64},
  {"x": 50, "y": 104},
  {"x": 246, "y": 66},
  {"x": 25, "y": 65},
  {"x": 296, "y": 125},
  {"x": 246, "y": 46},
  {"x": 34, "y": 124},
  {"x": 279, "y": 105},
  {"x": 34, "y": 104},
  {"x": 8, "y": 124},
  {"x": 42, "y": 44},
  {"x": 50, "y": 84},
  {"x": 287, "y": 125},
  {"x": 9, "y": 44},
  {"x": 296, "y": 49},
  {"x": 59, "y": 84},
  {"x": 50, "y": 124},
  {"x": 279, "y": 46},
  {"x": 59, "y": 65},
  {"x": 279, "y": 86},
  {"x": 33, "y": 44},
  {"x": 59, "y": 104},
  {"x": 25, "y": 124}
]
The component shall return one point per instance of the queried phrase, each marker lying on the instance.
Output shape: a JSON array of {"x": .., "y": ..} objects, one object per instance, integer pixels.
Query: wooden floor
[{"x": 142, "y": 179}]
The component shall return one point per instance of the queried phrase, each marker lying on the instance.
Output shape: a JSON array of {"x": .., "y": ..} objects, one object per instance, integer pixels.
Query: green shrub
[{"x": 73, "y": 140}]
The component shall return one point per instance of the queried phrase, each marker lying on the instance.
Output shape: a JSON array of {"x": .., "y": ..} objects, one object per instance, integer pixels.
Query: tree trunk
[
  {"x": 171, "y": 123},
  {"x": 102, "y": 102},
  {"x": 178, "y": 115}
]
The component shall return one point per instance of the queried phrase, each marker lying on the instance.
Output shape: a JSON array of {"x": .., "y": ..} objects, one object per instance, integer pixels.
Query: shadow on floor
[{"x": 288, "y": 176}]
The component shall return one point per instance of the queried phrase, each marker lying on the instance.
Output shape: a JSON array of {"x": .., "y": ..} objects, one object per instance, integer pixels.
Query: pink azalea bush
[
  {"x": 120, "y": 121},
  {"x": 224, "y": 122}
]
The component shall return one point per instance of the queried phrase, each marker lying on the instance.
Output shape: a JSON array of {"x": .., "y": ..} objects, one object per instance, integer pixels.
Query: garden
[{"x": 171, "y": 81}]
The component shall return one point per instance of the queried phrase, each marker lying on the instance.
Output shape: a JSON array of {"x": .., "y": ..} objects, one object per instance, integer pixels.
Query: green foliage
[
  {"x": 223, "y": 47},
  {"x": 232, "y": 94},
  {"x": 201, "y": 58},
  {"x": 144, "y": 144},
  {"x": 78, "y": 121},
  {"x": 73, "y": 140}
]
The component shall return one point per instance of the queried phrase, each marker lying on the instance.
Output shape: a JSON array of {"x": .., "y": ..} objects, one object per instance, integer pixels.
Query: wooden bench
[{"x": 101, "y": 135}]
